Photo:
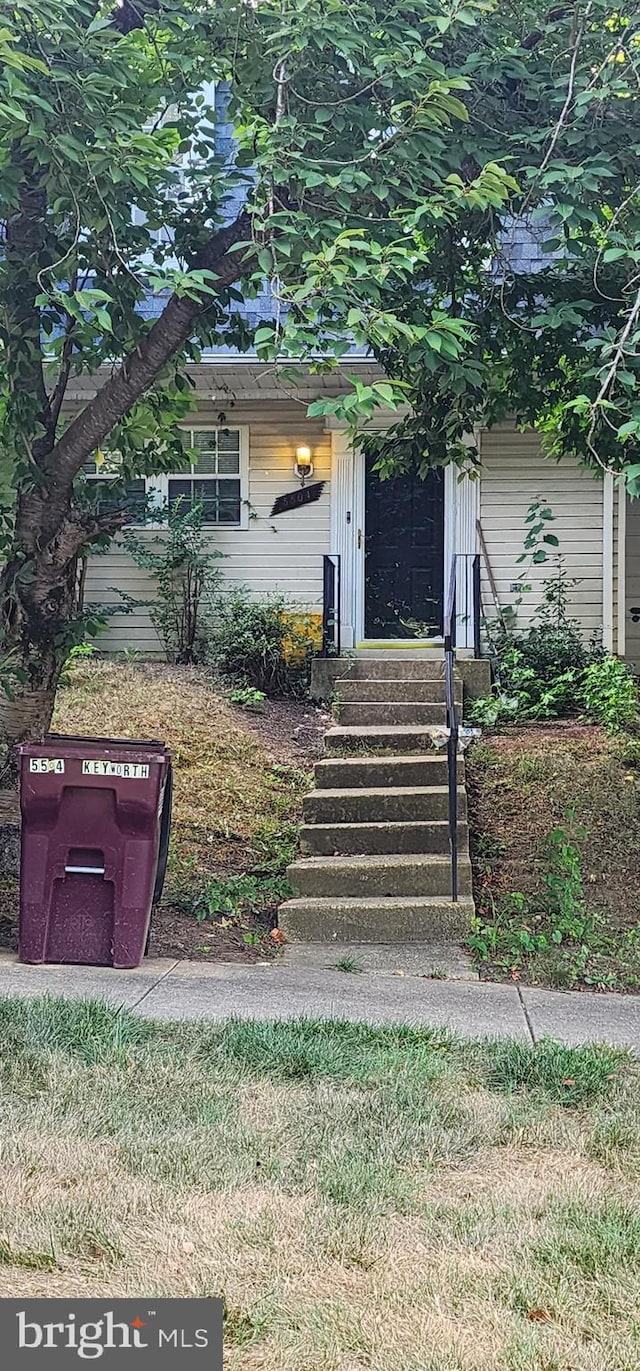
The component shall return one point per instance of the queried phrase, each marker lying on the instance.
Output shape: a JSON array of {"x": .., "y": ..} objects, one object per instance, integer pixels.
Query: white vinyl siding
[
  {"x": 515, "y": 472},
  {"x": 282, "y": 554}
]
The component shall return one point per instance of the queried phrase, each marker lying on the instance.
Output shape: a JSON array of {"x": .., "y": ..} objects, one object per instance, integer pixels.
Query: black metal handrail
[
  {"x": 453, "y": 724},
  {"x": 331, "y": 606},
  {"x": 452, "y": 721}
]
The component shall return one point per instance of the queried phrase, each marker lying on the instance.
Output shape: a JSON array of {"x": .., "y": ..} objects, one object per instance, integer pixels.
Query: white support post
[
  {"x": 607, "y": 561},
  {"x": 342, "y": 528},
  {"x": 621, "y": 644},
  {"x": 466, "y": 505}
]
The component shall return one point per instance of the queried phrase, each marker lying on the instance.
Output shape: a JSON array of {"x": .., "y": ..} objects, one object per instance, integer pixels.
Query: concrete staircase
[{"x": 375, "y": 864}]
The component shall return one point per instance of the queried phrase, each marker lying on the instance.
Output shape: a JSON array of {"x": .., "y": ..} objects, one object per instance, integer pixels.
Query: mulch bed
[
  {"x": 292, "y": 730},
  {"x": 174, "y": 934}
]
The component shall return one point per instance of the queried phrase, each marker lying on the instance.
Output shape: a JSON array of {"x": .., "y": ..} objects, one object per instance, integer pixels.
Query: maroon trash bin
[{"x": 94, "y": 811}]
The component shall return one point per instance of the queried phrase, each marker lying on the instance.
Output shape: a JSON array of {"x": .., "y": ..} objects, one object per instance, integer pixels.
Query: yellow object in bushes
[{"x": 304, "y": 634}]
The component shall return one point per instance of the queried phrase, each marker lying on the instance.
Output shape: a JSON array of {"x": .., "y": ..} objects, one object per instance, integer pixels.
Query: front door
[{"x": 404, "y": 555}]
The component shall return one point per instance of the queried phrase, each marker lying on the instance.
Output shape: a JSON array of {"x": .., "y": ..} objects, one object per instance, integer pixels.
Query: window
[
  {"x": 109, "y": 468},
  {"x": 216, "y": 478}
]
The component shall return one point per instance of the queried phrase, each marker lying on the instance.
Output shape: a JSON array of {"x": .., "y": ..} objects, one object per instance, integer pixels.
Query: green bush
[
  {"x": 184, "y": 567},
  {"x": 246, "y": 697},
  {"x": 540, "y": 673},
  {"x": 601, "y": 687},
  {"x": 610, "y": 694},
  {"x": 265, "y": 644}
]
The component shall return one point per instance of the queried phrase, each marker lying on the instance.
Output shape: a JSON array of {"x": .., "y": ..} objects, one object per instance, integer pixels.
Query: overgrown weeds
[
  {"x": 548, "y": 670},
  {"x": 555, "y": 823}
]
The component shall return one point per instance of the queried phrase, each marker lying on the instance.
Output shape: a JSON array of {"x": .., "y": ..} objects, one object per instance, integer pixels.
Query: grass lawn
[
  {"x": 239, "y": 783},
  {"x": 364, "y": 1199},
  {"x": 522, "y": 784}
]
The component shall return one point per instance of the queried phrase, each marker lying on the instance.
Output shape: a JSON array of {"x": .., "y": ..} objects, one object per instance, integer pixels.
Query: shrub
[
  {"x": 183, "y": 566},
  {"x": 247, "y": 698},
  {"x": 610, "y": 694},
  {"x": 541, "y": 672},
  {"x": 265, "y": 644}
]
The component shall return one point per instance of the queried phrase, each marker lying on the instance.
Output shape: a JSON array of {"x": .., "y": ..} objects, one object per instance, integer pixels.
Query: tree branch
[
  {"x": 564, "y": 113},
  {"x": 137, "y": 373},
  {"x": 24, "y": 241},
  {"x": 78, "y": 530},
  {"x": 59, "y": 390},
  {"x": 610, "y": 376}
]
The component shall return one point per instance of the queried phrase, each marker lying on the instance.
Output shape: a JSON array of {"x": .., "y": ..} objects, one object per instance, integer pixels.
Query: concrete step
[
  {"x": 337, "y": 773},
  {"x": 380, "y": 668},
  {"x": 426, "y": 919},
  {"x": 392, "y": 875},
  {"x": 418, "y": 692},
  {"x": 437, "y": 961},
  {"x": 370, "y": 713},
  {"x": 325, "y": 840},
  {"x": 366, "y": 741},
  {"x": 402, "y": 803}
]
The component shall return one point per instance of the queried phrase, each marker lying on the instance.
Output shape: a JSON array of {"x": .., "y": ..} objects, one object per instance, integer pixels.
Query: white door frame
[{"x": 461, "y": 499}]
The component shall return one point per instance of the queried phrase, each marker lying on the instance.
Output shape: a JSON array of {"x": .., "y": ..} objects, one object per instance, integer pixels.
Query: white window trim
[{"x": 158, "y": 486}]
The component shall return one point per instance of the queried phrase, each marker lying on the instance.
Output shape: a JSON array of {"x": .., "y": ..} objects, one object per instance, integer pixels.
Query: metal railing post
[
  {"x": 331, "y": 611},
  {"x": 477, "y": 643},
  {"x": 338, "y": 633},
  {"x": 452, "y": 723}
]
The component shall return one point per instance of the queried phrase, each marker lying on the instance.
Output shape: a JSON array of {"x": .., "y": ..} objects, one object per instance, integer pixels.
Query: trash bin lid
[
  {"x": 70, "y": 745},
  {"x": 112, "y": 742}
]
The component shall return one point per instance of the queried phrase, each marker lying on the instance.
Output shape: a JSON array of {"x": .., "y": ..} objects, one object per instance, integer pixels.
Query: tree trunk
[
  {"x": 36, "y": 619},
  {"x": 35, "y": 613}
]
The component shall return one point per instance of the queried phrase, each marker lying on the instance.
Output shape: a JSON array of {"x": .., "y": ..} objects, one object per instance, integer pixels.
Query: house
[
  {"x": 391, "y": 543},
  {"x": 253, "y": 443}
]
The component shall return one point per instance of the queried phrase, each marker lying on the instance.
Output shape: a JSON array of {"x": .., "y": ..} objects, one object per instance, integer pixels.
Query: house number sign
[{"x": 295, "y": 499}]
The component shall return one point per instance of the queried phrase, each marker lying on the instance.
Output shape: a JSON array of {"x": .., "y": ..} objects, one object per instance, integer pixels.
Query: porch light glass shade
[{"x": 303, "y": 465}]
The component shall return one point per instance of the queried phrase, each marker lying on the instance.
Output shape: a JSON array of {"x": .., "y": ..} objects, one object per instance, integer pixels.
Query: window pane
[
  {"x": 133, "y": 498},
  {"x": 136, "y": 497},
  {"x": 229, "y": 440},
  {"x": 220, "y": 501},
  {"x": 204, "y": 441},
  {"x": 205, "y": 493},
  {"x": 206, "y": 464},
  {"x": 182, "y": 491},
  {"x": 229, "y": 463},
  {"x": 229, "y": 509}
]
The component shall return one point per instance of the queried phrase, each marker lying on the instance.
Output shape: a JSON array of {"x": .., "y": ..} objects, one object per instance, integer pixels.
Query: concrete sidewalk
[{"x": 217, "y": 991}]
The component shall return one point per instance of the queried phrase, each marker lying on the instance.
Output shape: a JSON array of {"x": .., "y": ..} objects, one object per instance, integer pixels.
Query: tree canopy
[{"x": 386, "y": 161}]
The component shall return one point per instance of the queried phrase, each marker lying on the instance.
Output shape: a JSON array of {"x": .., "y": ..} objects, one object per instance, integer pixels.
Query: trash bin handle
[{"x": 85, "y": 870}]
